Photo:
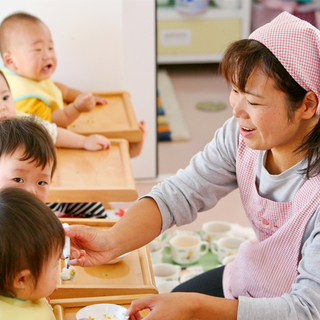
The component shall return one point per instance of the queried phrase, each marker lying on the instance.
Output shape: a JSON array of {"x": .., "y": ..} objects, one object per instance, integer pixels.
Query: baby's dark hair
[
  {"x": 32, "y": 137},
  {"x": 242, "y": 58},
  {"x": 30, "y": 233}
]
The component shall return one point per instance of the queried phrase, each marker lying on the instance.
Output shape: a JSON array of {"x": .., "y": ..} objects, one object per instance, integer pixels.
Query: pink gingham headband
[{"x": 296, "y": 44}]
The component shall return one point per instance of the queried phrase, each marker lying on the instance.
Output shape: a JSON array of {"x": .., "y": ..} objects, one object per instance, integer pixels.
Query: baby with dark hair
[{"x": 28, "y": 263}]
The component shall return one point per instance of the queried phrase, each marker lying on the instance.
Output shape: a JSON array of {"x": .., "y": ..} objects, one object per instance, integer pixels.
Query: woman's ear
[
  {"x": 8, "y": 61},
  {"x": 22, "y": 279},
  {"x": 309, "y": 105}
]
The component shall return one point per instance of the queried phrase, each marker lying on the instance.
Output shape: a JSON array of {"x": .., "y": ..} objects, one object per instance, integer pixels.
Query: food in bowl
[{"x": 102, "y": 311}]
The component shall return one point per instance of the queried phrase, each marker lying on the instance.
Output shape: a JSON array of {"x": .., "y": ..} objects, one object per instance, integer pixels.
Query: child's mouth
[{"x": 47, "y": 67}]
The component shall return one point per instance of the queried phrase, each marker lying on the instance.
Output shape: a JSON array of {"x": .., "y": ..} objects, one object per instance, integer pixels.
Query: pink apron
[{"x": 267, "y": 266}]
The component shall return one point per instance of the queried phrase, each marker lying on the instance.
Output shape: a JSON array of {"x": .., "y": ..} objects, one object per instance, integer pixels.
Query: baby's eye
[
  {"x": 19, "y": 180},
  {"x": 42, "y": 183},
  {"x": 51, "y": 48},
  {"x": 38, "y": 49},
  {"x": 5, "y": 98}
]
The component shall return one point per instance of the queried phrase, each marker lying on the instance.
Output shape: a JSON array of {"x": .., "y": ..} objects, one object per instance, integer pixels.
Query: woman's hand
[
  {"x": 169, "y": 306},
  {"x": 89, "y": 246},
  {"x": 184, "y": 306}
]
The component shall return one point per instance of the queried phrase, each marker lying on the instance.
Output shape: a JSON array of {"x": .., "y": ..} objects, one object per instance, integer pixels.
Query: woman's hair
[
  {"x": 30, "y": 234},
  {"x": 32, "y": 137},
  {"x": 242, "y": 58}
]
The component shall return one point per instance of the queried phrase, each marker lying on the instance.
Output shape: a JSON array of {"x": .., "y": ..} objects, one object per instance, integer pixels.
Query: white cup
[
  {"x": 186, "y": 248},
  {"x": 213, "y": 230},
  {"x": 166, "y": 272},
  {"x": 228, "y": 4},
  {"x": 167, "y": 286},
  {"x": 225, "y": 246},
  {"x": 156, "y": 255},
  {"x": 228, "y": 259}
]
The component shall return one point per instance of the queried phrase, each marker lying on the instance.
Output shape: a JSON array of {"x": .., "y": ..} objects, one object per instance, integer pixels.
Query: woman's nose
[{"x": 239, "y": 108}]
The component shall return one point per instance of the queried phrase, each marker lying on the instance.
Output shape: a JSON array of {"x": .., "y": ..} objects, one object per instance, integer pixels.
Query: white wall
[{"x": 105, "y": 45}]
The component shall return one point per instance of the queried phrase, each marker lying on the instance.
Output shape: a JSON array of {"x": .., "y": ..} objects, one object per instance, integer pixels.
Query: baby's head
[
  {"x": 26, "y": 46},
  {"x": 7, "y": 107},
  {"x": 27, "y": 156},
  {"x": 31, "y": 243}
]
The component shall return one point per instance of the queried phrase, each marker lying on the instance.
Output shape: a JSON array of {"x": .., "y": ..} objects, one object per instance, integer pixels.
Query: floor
[{"x": 193, "y": 84}]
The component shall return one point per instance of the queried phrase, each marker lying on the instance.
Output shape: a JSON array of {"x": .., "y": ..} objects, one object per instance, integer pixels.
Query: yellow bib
[{"x": 27, "y": 93}]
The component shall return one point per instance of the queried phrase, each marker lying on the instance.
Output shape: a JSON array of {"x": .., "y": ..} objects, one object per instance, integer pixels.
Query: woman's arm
[{"x": 184, "y": 306}]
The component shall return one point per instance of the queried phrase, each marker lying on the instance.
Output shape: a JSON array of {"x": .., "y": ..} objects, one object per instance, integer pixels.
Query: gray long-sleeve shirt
[{"x": 210, "y": 176}]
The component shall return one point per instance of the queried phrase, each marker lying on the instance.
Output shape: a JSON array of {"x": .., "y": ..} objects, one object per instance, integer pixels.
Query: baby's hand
[
  {"x": 100, "y": 100},
  {"x": 84, "y": 102},
  {"x": 96, "y": 142}
]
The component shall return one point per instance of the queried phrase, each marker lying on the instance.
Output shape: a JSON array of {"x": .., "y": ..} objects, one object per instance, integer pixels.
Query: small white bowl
[
  {"x": 102, "y": 311},
  {"x": 116, "y": 260}
]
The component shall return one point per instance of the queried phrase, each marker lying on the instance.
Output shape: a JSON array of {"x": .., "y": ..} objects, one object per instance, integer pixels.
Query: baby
[
  {"x": 28, "y": 263},
  {"x": 28, "y": 160},
  {"x": 28, "y": 53},
  {"x": 60, "y": 136}
]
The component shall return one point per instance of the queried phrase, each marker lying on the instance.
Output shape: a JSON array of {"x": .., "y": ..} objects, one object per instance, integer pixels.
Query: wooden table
[
  {"x": 114, "y": 120},
  {"x": 132, "y": 275},
  {"x": 67, "y": 309},
  {"x": 92, "y": 176}
]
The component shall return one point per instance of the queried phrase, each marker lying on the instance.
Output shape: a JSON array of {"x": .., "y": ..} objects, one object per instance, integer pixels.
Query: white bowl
[
  {"x": 116, "y": 260},
  {"x": 102, "y": 311}
]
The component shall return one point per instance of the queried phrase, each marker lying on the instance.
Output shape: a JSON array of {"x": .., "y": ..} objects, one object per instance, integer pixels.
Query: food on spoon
[{"x": 68, "y": 274}]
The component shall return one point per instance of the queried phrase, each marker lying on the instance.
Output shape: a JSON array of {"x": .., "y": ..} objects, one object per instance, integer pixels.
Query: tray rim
[
  {"x": 72, "y": 194},
  {"x": 149, "y": 286},
  {"x": 132, "y": 134}
]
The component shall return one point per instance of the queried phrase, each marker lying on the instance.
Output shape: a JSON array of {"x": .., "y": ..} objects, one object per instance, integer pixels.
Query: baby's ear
[
  {"x": 8, "y": 61},
  {"x": 22, "y": 279}
]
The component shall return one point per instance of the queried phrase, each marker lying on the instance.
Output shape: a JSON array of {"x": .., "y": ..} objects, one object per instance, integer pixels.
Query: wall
[{"x": 105, "y": 45}]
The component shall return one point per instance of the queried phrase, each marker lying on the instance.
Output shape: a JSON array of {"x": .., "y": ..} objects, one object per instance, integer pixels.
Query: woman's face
[{"x": 262, "y": 114}]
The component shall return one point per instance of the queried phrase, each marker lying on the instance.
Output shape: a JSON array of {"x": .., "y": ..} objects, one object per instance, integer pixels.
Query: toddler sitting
[
  {"x": 27, "y": 134},
  {"x": 28, "y": 53},
  {"x": 28, "y": 263}
]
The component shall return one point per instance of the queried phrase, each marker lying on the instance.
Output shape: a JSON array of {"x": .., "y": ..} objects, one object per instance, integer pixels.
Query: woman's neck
[{"x": 279, "y": 163}]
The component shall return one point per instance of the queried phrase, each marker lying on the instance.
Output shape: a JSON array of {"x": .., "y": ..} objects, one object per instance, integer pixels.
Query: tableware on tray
[
  {"x": 213, "y": 230},
  {"x": 186, "y": 248},
  {"x": 226, "y": 246},
  {"x": 116, "y": 260},
  {"x": 228, "y": 259},
  {"x": 166, "y": 272},
  {"x": 102, "y": 311},
  {"x": 167, "y": 286},
  {"x": 132, "y": 275}
]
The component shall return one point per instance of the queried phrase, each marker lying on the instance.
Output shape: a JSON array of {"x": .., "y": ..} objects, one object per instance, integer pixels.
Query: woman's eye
[
  {"x": 252, "y": 103},
  {"x": 19, "y": 180}
]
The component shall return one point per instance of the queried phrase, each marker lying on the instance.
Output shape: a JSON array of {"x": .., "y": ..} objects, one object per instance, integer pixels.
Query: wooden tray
[
  {"x": 66, "y": 309},
  {"x": 84, "y": 176},
  {"x": 114, "y": 120},
  {"x": 132, "y": 275}
]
